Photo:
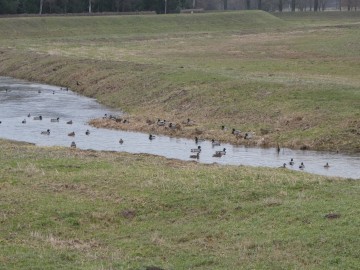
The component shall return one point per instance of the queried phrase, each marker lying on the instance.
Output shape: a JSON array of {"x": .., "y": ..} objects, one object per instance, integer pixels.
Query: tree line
[{"x": 166, "y": 6}]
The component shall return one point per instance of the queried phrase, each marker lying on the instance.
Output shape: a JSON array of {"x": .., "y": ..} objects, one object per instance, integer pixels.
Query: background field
[
  {"x": 292, "y": 79},
  {"x": 295, "y": 78}
]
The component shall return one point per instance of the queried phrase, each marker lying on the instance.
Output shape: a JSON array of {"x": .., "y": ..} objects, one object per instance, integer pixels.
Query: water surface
[{"x": 19, "y": 98}]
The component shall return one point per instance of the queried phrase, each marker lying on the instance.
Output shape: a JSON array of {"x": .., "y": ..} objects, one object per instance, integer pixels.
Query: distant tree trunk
[
  {"x": 293, "y": 5},
  {"x": 248, "y": 4},
  {"x": 316, "y": 5},
  {"x": 41, "y": 6},
  {"x": 165, "y": 11},
  {"x": 194, "y": 4},
  {"x": 280, "y": 5},
  {"x": 259, "y": 4},
  {"x": 225, "y": 4},
  {"x": 89, "y": 6}
]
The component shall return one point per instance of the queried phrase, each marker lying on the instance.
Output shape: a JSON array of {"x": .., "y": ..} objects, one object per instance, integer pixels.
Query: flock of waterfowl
[
  {"x": 53, "y": 120},
  {"x": 195, "y": 152}
]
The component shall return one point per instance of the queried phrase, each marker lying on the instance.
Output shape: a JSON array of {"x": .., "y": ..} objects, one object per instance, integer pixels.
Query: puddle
[{"x": 22, "y": 98}]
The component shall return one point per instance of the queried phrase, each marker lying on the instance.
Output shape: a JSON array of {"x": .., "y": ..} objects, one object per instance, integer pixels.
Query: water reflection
[{"x": 22, "y": 98}]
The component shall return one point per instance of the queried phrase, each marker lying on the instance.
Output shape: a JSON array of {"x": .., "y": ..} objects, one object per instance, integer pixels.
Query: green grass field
[
  {"x": 72, "y": 209},
  {"x": 294, "y": 77},
  {"x": 291, "y": 78}
]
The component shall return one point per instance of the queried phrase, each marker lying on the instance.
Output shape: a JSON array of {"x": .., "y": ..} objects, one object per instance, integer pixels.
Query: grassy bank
[
  {"x": 292, "y": 80},
  {"x": 72, "y": 209}
]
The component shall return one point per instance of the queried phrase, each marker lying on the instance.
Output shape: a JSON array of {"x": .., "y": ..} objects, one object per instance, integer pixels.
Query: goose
[
  {"x": 223, "y": 152},
  {"x": 302, "y": 166},
  {"x": 196, "y": 150},
  {"x": 197, "y": 140},
  {"x": 38, "y": 117},
  {"x": 47, "y": 132},
  {"x": 195, "y": 156},
  {"x": 72, "y": 134},
  {"x": 215, "y": 143},
  {"x": 29, "y": 115},
  {"x": 151, "y": 137},
  {"x": 23, "y": 121},
  {"x": 291, "y": 162},
  {"x": 283, "y": 166},
  {"x": 327, "y": 165},
  {"x": 54, "y": 119},
  {"x": 73, "y": 145},
  {"x": 87, "y": 132},
  {"x": 69, "y": 122},
  {"x": 121, "y": 141},
  {"x": 235, "y": 132}
]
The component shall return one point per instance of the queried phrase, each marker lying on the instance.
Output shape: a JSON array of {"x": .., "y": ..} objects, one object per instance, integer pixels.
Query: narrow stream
[{"x": 19, "y": 98}]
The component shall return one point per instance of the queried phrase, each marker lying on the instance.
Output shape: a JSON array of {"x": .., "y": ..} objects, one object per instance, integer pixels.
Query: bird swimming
[
  {"x": 47, "y": 132},
  {"x": 196, "y": 150}
]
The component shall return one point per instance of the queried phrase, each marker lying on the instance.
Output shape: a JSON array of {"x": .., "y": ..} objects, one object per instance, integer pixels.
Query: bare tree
[
  {"x": 247, "y": 4},
  {"x": 90, "y": 6},
  {"x": 316, "y": 5},
  {"x": 41, "y": 6},
  {"x": 293, "y": 3},
  {"x": 280, "y": 5}
]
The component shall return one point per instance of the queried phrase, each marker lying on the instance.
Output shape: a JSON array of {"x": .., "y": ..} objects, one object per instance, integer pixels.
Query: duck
[
  {"x": 54, "y": 119},
  {"x": 196, "y": 150},
  {"x": 161, "y": 122},
  {"x": 197, "y": 140},
  {"x": 189, "y": 122},
  {"x": 47, "y": 132},
  {"x": 87, "y": 132},
  {"x": 302, "y": 166},
  {"x": 23, "y": 121},
  {"x": 71, "y": 134},
  {"x": 197, "y": 156},
  {"x": 38, "y": 117},
  {"x": 327, "y": 165},
  {"x": 53, "y": 92},
  {"x": 217, "y": 154},
  {"x": 283, "y": 166},
  {"x": 39, "y": 91},
  {"x": 69, "y": 122},
  {"x": 28, "y": 115},
  {"x": 151, "y": 137},
  {"x": 248, "y": 135},
  {"x": 215, "y": 143},
  {"x": 223, "y": 128},
  {"x": 73, "y": 145},
  {"x": 235, "y": 132},
  {"x": 222, "y": 152},
  {"x": 173, "y": 126},
  {"x": 291, "y": 162},
  {"x": 121, "y": 141}
]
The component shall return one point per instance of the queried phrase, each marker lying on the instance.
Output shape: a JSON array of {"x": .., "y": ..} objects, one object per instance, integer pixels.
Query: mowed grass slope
[
  {"x": 291, "y": 80},
  {"x": 72, "y": 209}
]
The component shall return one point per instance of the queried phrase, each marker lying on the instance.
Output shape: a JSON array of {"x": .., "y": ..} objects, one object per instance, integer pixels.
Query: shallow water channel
[{"x": 19, "y": 98}]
